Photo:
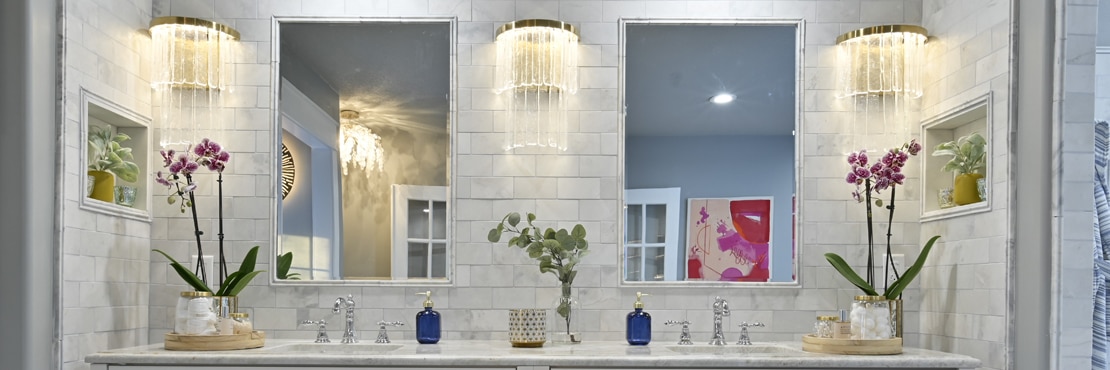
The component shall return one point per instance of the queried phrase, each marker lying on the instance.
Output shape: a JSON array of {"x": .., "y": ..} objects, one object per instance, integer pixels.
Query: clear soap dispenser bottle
[
  {"x": 427, "y": 321},
  {"x": 638, "y": 327}
]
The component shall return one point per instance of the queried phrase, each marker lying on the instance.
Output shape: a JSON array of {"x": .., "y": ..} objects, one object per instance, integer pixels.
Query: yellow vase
[
  {"x": 965, "y": 190},
  {"x": 104, "y": 185}
]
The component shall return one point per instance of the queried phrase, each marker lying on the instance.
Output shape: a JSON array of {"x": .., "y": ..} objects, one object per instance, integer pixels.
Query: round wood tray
[
  {"x": 182, "y": 342},
  {"x": 891, "y": 346}
]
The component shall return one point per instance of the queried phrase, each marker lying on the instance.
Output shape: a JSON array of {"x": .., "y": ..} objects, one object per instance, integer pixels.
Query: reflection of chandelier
[
  {"x": 192, "y": 68},
  {"x": 537, "y": 64},
  {"x": 880, "y": 70},
  {"x": 358, "y": 146}
]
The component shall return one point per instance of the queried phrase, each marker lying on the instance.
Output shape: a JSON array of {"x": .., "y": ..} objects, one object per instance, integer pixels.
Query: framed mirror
[
  {"x": 711, "y": 148},
  {"x": 363, "y": 112}
]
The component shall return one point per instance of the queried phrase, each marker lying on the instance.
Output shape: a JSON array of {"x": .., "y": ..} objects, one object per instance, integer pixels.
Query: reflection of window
[
  {"x": 419, "y": 232},
  {"x": 651, "y": 234}
]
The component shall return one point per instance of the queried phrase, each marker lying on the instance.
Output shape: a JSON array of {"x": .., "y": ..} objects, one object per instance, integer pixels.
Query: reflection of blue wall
[{"x": 721, "y": 167}]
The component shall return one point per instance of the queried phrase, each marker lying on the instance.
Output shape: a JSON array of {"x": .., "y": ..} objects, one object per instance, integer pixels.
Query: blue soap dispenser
[
  {"x": 427, "y": 321},
  {"x": 638, "y": 329}
]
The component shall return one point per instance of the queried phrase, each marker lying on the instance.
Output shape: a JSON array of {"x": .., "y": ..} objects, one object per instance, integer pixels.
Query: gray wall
[{"x": 721, "y": 167}]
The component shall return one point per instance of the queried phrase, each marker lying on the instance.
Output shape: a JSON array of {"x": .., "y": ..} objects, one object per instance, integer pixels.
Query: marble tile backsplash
[{"x": 576, "y": 186}]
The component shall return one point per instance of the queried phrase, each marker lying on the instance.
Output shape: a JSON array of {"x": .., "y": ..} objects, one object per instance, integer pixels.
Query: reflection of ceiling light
[
  {"x": 723, "y": 98},
  {"x": 288, "y": 171},
  {"x": 879, "y": 70},
  {"x": 537, "y": 65},
  {"x": 192, "y": 67},
  {"x": 358, "y": 146}
]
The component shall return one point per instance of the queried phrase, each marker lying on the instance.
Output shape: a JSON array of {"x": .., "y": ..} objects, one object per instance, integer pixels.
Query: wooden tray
[
  {"x": 892, "y": 346},
  {"x": 181, "y": 342}
]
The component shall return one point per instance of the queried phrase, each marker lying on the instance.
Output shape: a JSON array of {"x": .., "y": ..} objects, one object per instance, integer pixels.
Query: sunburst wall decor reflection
[{"x": 288, "y": 171}]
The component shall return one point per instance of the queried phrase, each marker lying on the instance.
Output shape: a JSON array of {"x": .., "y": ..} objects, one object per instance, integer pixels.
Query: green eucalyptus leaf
[
  {"x": 535, "y": 250},
  {"x": 549, "y": 233},
  {"x": 514, "y": 219},
  {"x": 579, "y": 232},
  {"x": 494, "y": 235},
  {"x": 531, "y": 217}
]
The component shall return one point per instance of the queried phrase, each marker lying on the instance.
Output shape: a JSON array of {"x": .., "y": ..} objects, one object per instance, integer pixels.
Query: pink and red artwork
[{"x": 729, "y": 239}]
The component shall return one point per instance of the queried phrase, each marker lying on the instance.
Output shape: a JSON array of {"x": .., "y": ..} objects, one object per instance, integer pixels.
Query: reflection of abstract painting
[{"x": 729, "y": 239}]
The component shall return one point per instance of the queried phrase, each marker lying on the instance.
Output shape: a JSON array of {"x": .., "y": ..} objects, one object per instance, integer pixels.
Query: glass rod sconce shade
[
  {"x": 359, "y": 147},
  {"x": 537, "y": 67},
  {"x": 879, "y": 70},
  {"x": 192, "y": 70}
]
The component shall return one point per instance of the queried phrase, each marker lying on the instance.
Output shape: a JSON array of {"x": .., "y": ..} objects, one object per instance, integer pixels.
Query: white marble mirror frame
[
  {"x": 799, "y": 61},
  {"x": 275, "y": 146}
]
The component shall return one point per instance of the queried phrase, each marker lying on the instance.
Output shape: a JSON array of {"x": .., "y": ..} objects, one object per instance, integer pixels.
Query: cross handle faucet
[
  {"x": 744, "y": 339},
  {"x": 382, "y": 336},
  {"x": 684, "y": 338},
  {"x": 720, "y": 309},
  {"x": 321, "y": 329},
  {"x": 348, "y": 304}
]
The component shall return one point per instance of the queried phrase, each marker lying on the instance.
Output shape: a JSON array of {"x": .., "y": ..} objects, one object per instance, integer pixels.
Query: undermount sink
[
  {"x": 732, "y": 349},
  {"x": 339, "y": 348}
]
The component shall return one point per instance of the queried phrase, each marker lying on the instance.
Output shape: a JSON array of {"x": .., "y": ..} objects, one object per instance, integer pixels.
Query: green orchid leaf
[
  {"x": 189, "y": 277},
  {"x": 842, "y": 267},
  {"x": 242, "y": 282},
  {"x": 249, "y": 260},
  {"x": 284, "y": 262},
  {"x": 899, "y": 285},
  {"x": 230, "y": 281}
]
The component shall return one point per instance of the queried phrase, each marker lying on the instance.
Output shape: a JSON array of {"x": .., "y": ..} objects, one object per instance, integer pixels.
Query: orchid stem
[
  {"x": 200, "y": 271},
  {"x": 870, "y": 236},
  {"x": 220, "y": 198},
  {"x": 889, "y": 265}
]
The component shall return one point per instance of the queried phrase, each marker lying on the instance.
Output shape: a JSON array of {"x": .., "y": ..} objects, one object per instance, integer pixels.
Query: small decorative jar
[
  {"x": 243, "y": 323},
  {"x": 823, "y": 328},
  {"x": 194, "y": 315},
  {"x": 527, "y": 327},
  {"x": 871, "y": 318}
]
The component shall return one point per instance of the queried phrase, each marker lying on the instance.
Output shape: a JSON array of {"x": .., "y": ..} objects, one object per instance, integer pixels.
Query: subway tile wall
[
  {"x": 579, "y": 185},
  {"x": 1077, "y": 101},
  {"x": 105, "y": 259},
  {"x": 963, "y": 302}
]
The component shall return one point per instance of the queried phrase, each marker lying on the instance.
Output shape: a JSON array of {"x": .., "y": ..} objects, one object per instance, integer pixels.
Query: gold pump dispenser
[
  {"x": 427, "y": 298},
  {"x": 639, "y": 303}
]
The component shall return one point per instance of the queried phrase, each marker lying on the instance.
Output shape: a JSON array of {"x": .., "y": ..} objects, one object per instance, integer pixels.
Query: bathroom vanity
[{"x": 466, "y": 355}]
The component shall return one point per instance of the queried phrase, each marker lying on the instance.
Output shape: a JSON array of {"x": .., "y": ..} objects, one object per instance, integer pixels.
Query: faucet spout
[
  {"x": 347, "y": 303},
  {"x": 720, "y": 309}
]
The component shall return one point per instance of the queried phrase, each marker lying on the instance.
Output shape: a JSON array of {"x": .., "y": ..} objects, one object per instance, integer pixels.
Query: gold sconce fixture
[
  {"x": 537, "y": 68},
  {"x": 192, "y": 69},
  {"x": 359, "y": 147},
  {"x": 880, "y": 69},
  {"x": 288, "y": 171}
]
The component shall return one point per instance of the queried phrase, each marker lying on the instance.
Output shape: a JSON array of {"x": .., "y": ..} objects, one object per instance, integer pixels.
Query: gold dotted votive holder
[{"x": 528, "y": 327}]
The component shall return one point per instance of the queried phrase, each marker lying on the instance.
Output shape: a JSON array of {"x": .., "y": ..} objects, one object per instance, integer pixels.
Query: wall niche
[
  {"x": 971, "y": 117},
  {"x": 100, "y": 113}
]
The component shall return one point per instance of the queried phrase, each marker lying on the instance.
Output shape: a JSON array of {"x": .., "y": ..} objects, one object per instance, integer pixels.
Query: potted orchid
[
  {"x": 870, "y": 180},
  {"x": 180, "y": 168}
]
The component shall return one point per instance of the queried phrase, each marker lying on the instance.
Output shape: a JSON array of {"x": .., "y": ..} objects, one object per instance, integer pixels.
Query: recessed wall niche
[
  {"x": 99, "y": 112},
  {"x": 971, "y": 117}
]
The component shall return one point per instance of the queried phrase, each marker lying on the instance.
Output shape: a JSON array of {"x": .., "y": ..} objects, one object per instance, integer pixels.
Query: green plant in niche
[
  {"x": 969, "y": 154},
  {"x": 284, "y": 262},
  {"x": 558, "y": 252},
  {"x": 106, "y": 154}
]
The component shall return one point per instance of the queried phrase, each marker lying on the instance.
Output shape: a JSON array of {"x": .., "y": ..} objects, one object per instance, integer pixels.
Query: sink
[
  {"x": 337, "y": 348},
  {"x": 732, "y": 349}
]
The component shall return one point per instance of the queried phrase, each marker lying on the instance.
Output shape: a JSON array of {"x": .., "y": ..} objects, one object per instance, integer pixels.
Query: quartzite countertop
[{"x": 487, "y": 354}]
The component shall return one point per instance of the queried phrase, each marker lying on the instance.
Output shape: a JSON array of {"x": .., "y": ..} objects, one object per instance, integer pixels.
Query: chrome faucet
[
  {"x": 720, "y": 309},
  {"x": 684, "y": 338},
  {"x": 383, "y": 337},
  {"x": 744, "y": 340},
  {"x": 349, "y": 304},
  {"x": 321, "y": 329}
]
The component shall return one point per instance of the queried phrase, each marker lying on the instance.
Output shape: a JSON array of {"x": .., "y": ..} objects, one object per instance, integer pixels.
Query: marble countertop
[{"x": 500, "y": 353}]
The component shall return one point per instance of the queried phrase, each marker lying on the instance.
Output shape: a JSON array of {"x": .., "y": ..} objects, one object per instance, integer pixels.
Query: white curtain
[{"x": 1101, "y": 250}]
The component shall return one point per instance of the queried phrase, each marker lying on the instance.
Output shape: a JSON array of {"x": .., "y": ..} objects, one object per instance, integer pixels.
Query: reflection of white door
[
  {"x": 419, "y": 235},
  {"x": 651, "y": 234}
]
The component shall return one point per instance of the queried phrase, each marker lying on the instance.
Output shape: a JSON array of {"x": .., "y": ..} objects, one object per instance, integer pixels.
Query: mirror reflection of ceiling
[
  {"x": 676, "y": 87},
  {"x": 406, "y": 86}
]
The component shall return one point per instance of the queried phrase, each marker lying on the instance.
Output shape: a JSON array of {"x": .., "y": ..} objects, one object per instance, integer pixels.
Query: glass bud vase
[{"x": 565, "y": 322}]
